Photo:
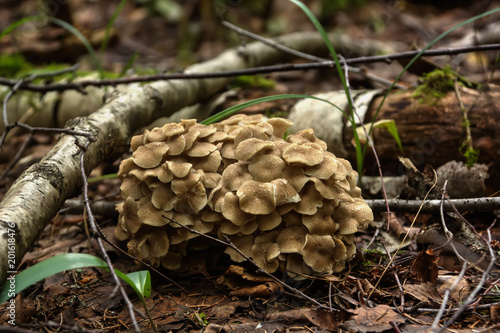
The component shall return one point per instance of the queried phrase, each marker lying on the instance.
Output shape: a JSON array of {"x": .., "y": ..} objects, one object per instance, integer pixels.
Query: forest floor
[{"x": 382, "y": 290}]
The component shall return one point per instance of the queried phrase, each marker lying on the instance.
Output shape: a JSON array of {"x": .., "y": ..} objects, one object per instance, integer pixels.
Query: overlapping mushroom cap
[{"x": 287, "y": 204}]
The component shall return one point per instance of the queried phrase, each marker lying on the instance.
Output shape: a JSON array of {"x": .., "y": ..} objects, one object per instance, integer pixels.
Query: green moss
[
  {"x": 253, "y": 81},
  {"x": 12, "y": 64},
  {"x": 436, "y": 85}
]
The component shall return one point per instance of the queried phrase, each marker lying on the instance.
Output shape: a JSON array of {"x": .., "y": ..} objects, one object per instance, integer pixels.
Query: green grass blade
[
  {"x": 390, "y": 125},
  {"x": 84, "y": 41},
  {"x": 105, "y": 41},
  {"x": 46, "y": 268},
  {"x": 233, "y": 109},
  {"x": 324, "y": 36},
  {"x": 129, "y": 64},
  {"x": 16, "y": 24}
]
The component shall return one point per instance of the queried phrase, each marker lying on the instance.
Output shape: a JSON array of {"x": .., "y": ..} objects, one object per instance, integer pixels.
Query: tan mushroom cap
[
  {"x": 149, "y": 215},
  {"x": 265, "y": 168},
  {"x": 208, "y": 163},
  {"x": 306, "y": 136},
  {"x": 156, "y": 135},
  {"x": 257, "y": 198},
  {"x": 318, "y": 251},
  {"x": 251, "y": 147},
  {"x": 176, "y": 145},
  {"x": 292, "y": 239},
  {"x": 269, "y": 221},
  {"x": 163, "y": 198},
  {"x": 285, "y": 193},
  {"x": 266, "y": 255},
  {"x": 136, "y": 141},
  {"x": 311, "y": 199},
  {"x": 178, "y": 169},
  {"x": 130, "y": 188},
  {"x": 158, "y": 243},
  {"x": 150, "y": 155},
  {"x": 280, "y": 125},
  {"x": 322, "y": 222},
  {"x": 300, "y": 154},
  {"x": 325, "y": 169},
  {"x": 205, "y": 130},
  {"x": 201, "y": 149},
  {"x": 242, "y": 243},
  {"x": 232, "y": 211},
  {"x": 172, "y": 129},
  {"x": 128, "y": 221},
  {"x": 125, "y": 167},
  {"x": 249, "y": 132},
  {"x": 235, "y": 175}
]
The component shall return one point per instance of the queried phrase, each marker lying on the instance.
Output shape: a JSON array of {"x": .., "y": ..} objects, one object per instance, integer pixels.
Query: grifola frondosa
[{"x": 287, "y": 204}]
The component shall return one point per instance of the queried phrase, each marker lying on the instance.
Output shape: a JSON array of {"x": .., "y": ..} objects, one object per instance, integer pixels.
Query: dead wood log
[
  {"x": 37, "y": 195},
  {"x": 433, "y": 133}
]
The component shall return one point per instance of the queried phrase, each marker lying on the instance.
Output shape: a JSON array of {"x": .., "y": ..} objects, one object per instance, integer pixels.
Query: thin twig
[
  {"x": 249, "y": 71},
  {"x": 448, "y": 233},
  {"x": 433, "y": 206},
  {"x": 447, "y": 295},
  {"x": 93, "y": 227},
  {"x": 479, "y": 286}
]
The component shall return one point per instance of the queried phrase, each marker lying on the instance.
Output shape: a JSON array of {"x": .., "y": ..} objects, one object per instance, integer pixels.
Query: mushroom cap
[
  {"x": 306, "y": 136},
  {"x": 302, "y": 155},
  {"x": 232, "y": 211},
  {"x": 269, "y": 221},
  {"x": 292, "y": 239},
  {"x": 280, "y": 125},
  {"x": 256, "y": 198},
  {"x": 235, "y": 175},
  {"x": 149, "y": 215},
  {"x": 251, "y": 147},
  {"x": 242, "y": 243},
  {"x": 265, "y": 168},
  {"x": 318, "y": 251},
  {"x": 265, "y": 255},
  {"x": 321, "y": 223},
  {"x": 172, "y": 129},
  {"x": 284, "y": 192},
  {"x": 150, "y": 155},
  {"x": 201, "y": 149}
]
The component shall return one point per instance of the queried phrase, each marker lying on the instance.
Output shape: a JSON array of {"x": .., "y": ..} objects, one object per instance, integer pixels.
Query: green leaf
[
  {"x": 388, "y": 124},
  {"x": 46, "y": 268},
  {"x": 139, "y": 281}
]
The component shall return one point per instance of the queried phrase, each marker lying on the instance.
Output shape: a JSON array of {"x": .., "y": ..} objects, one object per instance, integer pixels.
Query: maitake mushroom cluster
[{"x": 287, "y": 204}]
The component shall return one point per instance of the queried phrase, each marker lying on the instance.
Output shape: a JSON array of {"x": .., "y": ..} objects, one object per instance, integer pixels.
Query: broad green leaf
[
  {"x": 139, "y": 281},
  {"x": 46, "y": 268}
]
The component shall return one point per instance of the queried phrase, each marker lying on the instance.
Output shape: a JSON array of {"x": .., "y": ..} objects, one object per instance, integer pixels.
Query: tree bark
[
  {"x": 433, "y": 133},
  {"x": 40, "y": 191}
]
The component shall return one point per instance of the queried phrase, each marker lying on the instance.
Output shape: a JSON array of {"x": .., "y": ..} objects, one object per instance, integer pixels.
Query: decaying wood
[
  {"x": 41, "y": 190},
  {"x": 433, "y": 133}
]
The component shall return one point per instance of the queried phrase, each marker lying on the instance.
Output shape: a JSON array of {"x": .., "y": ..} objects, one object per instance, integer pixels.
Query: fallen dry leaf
[{"x": 377, "y": 319}]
